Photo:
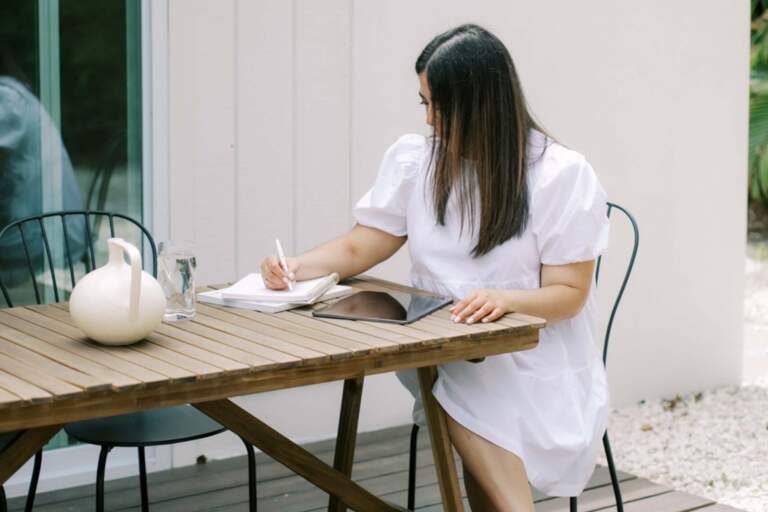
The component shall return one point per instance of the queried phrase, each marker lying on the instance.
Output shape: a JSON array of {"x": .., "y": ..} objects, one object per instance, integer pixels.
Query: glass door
[{"x": 70, "y": 115}]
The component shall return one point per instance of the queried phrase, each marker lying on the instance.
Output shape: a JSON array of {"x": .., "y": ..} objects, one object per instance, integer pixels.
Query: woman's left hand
[{"x": 483, "y": 305}]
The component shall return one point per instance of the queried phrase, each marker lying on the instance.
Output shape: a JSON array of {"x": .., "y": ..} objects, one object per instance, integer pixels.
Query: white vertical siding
[
  {"x": 280, "y": 111},
  {"x": 322, "y": 109},
  {"x": 202, "y": 152},
  {"x": 265, "y": 130}
]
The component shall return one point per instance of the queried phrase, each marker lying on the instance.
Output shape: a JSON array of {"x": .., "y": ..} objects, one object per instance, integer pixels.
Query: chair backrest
[
  {"x": 35, "y": 247},
  {"x": 627, "y": 272}
]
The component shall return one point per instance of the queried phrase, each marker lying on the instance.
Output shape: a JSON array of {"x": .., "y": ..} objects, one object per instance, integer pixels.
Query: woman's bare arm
[
  {"x": 352, "y": 253},
  {"x": 563, "y": 292}
]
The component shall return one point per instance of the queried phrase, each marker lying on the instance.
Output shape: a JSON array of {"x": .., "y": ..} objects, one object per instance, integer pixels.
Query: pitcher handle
[{"x": 134, "y": 257}]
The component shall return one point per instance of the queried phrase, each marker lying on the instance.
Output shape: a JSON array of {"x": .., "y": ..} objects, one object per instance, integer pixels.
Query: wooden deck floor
[{"x": 380, "y": 465}]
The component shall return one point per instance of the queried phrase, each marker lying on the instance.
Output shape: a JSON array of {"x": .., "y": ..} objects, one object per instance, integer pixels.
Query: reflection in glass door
[{"x": 70, "y": 115}]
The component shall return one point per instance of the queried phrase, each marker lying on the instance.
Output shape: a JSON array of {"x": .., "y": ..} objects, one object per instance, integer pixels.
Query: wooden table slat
[
  {"x": 361, "y": 327},
  {"x": 61, "y": 349},
  {"x": 121, "y": 358},
  {"x": 201, "y": 361},
  {"x": 6, "y": 398},
  {"x": 293, "y": 353},
  {"x": 23, "y": 389},
  {"x": 256, "y": 320},
  {"x": 347, "y": 330},
  {"x": 241, "y": 350},
  {"x": 444, "y": 329},
  {"x": 276, "y": 335},
  {"x": 406, "y": 330},
  {"x": 531, "y": 321},
  {"x": 446, "y": 325},
  {"x": 168, "y": 356},
  {"x": 313, "y": 328},
  {"x": 172, "y": 367},
  {"x": 84, "y": 381},
  {"x": 508, "y": 321},
  {"x": 165, "y": 363},
  {"x": 45, "y": 381},
  {"x": 479, "y": 327}
]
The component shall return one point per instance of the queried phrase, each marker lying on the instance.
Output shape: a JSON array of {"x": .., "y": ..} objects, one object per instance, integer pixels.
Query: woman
[{"x": 504, "y": 219}]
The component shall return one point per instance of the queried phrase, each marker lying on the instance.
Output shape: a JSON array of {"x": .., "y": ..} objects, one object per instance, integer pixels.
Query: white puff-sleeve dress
[{"x": 547, "y": 405}]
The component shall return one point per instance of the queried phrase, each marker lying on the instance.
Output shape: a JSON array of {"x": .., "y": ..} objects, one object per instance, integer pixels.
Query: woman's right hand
[{"x": 273, "y": 275}]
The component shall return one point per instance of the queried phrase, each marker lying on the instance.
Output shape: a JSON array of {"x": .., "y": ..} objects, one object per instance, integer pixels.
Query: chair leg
[
  {"x": 33, "y": 482},
  {"x": 412, "y": 468},
  {"x": 3, "y": 502},
  {"x": 143, "y": 480},
  {"x": 612, "y": 471},
  {"x": 100, "y": 477},
  {"x": 574, "y": 504},
  {"x": 251, "y": 476}
]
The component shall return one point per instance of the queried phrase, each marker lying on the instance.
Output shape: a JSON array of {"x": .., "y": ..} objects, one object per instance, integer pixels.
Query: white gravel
[{"x": 713, "y": 443}]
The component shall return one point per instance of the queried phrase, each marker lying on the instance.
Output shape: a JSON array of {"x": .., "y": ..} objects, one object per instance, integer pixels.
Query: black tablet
[{"x": 394, "y": 307}]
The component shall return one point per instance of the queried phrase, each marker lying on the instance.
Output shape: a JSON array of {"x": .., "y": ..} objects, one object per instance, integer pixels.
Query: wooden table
[{"x": 50, "y": 375}]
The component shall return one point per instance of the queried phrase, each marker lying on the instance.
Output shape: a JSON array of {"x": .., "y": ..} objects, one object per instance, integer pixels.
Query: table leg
[
  {"x": 293, "y": 456},
  {"x": 442, "y": 450},
  {"x": 347, "y": 435},
  {"x": 23, "y": 448}
]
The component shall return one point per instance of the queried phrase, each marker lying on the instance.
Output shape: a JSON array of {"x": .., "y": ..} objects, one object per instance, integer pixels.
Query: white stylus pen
[{"x": 283, "y": 263}]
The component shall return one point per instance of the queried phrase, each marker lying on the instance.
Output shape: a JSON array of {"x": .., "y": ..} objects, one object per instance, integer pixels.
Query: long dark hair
[{"x": 482, "y": 127}]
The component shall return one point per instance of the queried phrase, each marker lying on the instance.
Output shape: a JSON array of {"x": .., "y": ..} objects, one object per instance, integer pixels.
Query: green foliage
[{"x": 758, "y": 104}]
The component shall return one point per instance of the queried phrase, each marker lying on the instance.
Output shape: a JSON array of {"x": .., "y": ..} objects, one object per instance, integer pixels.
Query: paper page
[
  {"x": 252, "y": 287},
  {"x": 215, "y": 297}
]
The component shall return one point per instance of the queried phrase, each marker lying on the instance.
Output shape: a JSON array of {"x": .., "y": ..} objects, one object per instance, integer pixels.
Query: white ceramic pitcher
[{"x": 118, "y": 303}]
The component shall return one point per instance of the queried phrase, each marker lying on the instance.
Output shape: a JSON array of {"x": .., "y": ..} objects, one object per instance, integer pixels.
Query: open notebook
[
  {"x": 252, "y": 287},
  {"x": 250, "y": 293}
]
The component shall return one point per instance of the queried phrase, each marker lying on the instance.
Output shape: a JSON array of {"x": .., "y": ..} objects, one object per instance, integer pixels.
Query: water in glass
[{"x": 176, "y": 274}]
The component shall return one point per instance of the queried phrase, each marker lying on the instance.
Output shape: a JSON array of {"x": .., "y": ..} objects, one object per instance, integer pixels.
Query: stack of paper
[{"x": 251, "y": 293}]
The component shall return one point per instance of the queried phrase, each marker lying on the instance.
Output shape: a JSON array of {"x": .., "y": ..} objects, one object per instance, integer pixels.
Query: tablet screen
[{"x": 397, "y": 307}]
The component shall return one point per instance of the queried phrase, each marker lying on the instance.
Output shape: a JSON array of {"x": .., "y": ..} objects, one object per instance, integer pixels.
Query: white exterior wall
[{"x": 280, "y": 112}]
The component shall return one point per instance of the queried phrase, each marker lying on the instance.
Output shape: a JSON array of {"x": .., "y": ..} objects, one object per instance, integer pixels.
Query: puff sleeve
[
  {"x": 569, "y": 212},
  {"x": 384, "y": 205}
]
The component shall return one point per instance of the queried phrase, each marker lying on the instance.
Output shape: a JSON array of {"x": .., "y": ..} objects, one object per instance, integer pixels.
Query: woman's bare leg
[
  {"x": 496, "y": 476},
  {"x": 475, "y": 494}
]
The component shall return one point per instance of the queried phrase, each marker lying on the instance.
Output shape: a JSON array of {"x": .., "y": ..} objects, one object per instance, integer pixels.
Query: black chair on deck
[
  {"x": 31, "y": 265},
  {"x": 7, "y": 438},
  {"x": 606, "y": 442}
]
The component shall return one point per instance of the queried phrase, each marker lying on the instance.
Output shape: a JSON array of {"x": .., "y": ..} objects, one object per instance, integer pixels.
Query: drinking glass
[{"x": 176, "y": 274}]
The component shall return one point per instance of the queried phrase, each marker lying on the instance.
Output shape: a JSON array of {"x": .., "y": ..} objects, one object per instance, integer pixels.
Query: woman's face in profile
[{"x": 426, "y": 98}]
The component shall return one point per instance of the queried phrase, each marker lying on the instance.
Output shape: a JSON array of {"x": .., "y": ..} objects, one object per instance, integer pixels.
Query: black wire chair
[
  {"x": 7, "y": 438},
  {"x": 31, "y": 239},
  {"x": 573, "y": 501}
]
